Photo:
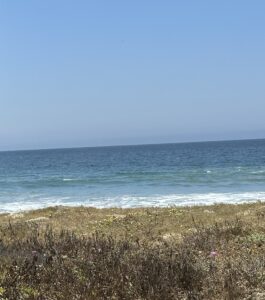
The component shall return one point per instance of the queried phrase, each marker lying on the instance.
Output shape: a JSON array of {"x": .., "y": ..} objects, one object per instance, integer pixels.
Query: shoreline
[
  {"x": 158, "y": 201},
  {"x": 169, "y": 206}
]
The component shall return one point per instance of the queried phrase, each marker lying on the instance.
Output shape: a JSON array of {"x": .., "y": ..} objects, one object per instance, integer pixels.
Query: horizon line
[{"x": 131, "y": 145}]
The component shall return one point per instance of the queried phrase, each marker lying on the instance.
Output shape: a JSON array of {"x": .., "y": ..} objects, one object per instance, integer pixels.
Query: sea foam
[{"x": 130, "y": 201}]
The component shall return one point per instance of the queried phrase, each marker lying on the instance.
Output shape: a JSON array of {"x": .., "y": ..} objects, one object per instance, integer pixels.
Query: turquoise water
[{"x": 131, "y": 176}]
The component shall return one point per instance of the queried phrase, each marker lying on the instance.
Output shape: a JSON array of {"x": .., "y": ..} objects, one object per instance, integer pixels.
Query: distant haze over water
[{"x": 133, "y": 176}]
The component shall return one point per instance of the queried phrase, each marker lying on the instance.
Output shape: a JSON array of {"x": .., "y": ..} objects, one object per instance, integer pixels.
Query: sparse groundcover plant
[
  {"x": 223, "y": 260},
  {"x": 210, "y": 263}
]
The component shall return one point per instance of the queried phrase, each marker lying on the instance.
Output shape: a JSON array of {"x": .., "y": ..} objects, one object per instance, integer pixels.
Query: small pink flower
[
  {"x": 34, "y": 253},
  {"x": 213, "y": 254}
]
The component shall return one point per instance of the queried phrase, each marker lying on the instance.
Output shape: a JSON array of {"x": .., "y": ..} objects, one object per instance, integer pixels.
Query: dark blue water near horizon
[{"x": 131, "y": 176}]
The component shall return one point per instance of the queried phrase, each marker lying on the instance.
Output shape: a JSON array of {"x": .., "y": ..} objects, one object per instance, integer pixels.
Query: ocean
[{"x": 134, "y": 176}]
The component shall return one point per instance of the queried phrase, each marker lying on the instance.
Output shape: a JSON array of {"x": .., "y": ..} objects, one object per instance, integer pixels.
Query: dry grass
[{"x": 213, "y": 252}]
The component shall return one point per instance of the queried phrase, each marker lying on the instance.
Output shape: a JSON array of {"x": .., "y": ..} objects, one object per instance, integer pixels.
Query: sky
[{"x": 87, "y": 73}]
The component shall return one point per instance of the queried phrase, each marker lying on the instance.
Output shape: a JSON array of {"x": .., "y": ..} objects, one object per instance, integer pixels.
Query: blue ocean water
[{"x": 131, "y": 176}]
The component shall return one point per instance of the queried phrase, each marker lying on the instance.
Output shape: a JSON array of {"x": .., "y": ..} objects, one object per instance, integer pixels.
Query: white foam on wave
[
  {"x": 129, "y": 201},
  {"x": 258, "y": 172}
]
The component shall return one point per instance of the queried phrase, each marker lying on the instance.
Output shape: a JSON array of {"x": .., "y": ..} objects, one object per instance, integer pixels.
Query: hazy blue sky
[{"x": 84, "y": 73}]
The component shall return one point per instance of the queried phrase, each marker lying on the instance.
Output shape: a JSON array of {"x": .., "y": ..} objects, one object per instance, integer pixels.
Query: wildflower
[{"x": 213, "y": 254}]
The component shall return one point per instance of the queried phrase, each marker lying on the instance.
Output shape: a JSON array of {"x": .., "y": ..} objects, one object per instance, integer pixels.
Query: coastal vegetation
[{"x": 199, "y": 252}]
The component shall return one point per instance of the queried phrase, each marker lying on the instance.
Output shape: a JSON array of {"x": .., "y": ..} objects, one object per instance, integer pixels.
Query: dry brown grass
[{"x": 147, "y": 253}]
